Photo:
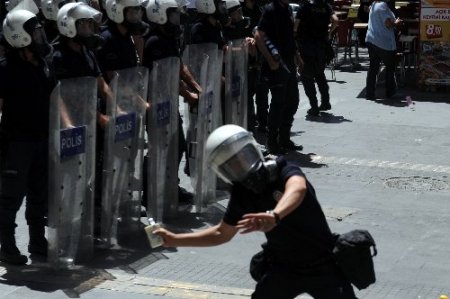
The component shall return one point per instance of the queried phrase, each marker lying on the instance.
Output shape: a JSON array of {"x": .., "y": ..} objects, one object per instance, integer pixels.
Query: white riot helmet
[
  {"x": 205, "y": 6},
  {"x": 13, "y": 28},
  {"x": 115, "y": 9},
  {"x": 70, "y": 13},
  {"x": 29, "y": 5},
  {"x": 157, "y": 11},
  {"x": 232, "y": 153},
  {"x": 50, "y": 8},
  {"x": 230, "y": 4},
  {"x": 21, "y": 29}
]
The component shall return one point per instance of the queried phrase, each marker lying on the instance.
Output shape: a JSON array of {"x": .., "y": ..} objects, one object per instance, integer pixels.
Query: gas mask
[
  {"x": 133, "y": 21},
  {"x": 40, "y": 45},
  {"x": 239, "y": 25},
  {"x": 264, "y": 174},
  {"x": 87, "y": 36},
  {"x": 221, "y": 13}
]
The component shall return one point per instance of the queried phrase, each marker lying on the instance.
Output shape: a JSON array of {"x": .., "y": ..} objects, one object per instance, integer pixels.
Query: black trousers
[
  {"x": 321, "y": 282},
  {"x": 24, "y": 172},
  {"x": 285, "y": 100},
  {"x": 314, "y": 72},
  {"x": 376, "y": 56}
]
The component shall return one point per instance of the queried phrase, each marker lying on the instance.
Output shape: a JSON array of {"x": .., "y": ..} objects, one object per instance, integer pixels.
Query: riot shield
[
  {"x": 123, "y": 155},
  {"x": 71, "y": 171},
  {"x": 162, "y": 199},
  {"x": 236, "y": 64},
  {"x": 205, "y": 62}
]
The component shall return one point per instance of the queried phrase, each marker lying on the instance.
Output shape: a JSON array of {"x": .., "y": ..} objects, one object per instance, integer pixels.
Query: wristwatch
[{"x": 275, "y": 215}]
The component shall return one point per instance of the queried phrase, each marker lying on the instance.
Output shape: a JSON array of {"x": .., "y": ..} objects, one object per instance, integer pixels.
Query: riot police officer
[
  {"x": 165, "y": 42},
  {"x": 253, "y": 10},
  {"x": 311, "y": 27},
  {"x": 125, "y": 21},
  {"x": 25, "y": 87},
  {"x": 274, "y": 197},
  {"x": 275, "y": 39},
  {"x": 74, "y": 57},
  {"x": 212, "y": 16}
]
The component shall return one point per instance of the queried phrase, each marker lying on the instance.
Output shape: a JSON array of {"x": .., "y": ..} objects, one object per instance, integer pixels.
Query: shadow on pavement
[
  {"x": 42, "y": 278},
  {"x": 304, "y": 160},
  {"x": 326, "y": 117}
]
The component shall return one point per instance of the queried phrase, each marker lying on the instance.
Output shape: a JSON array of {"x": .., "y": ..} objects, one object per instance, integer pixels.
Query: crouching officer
[
  {"x": 272, "y": 196},
  {"x": 25, "y": 87}
]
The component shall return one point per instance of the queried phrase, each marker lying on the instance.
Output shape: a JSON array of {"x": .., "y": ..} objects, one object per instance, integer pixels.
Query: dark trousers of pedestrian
[
  {"x": 283, "y": 105},
  {"x": 376, "y": 56},
  {"x": 321, "y": 282},
  {"x": 24, "y": 172},
  {"x": 314, "y": 72}
]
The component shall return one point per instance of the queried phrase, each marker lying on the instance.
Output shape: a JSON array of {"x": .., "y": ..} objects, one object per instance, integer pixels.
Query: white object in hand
[{"x": 155, "y": 240}]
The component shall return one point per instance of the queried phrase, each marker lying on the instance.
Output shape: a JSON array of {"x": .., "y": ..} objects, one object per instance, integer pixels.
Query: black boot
[
  {"x": 314, "y": 110},
  {"x": 38, "y": 243},
  {"x": 273, "y": 146},
  {"x": 286, "y": 143},
  {"x": 325, "y": 106},
  {"x": 9, "y": 253}
]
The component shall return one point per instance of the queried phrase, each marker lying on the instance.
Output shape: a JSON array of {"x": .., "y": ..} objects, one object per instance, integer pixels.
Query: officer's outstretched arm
[
  {"x": 294, "y": 193},
  {"x": 216, "y": 235}
]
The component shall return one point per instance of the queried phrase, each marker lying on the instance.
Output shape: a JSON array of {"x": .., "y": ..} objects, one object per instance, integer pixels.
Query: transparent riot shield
[
  {"x": 162, "y": 199},
  {"x": 123, "y": 155},
  {"x": 205, "y": 62},
  {"x": 71, "y": 171},
  {"x": 236, "y": 64}
]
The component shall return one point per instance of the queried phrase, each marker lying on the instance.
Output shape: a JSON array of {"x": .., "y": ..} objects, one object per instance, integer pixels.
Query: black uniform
[
  {"x": 255, "y": 86},
  {"x": 276, "y": 22},
  {"x": 312, "y": 35},
  {"x": 71, "y": 64},
  {"x": 203, "y": 32},
  {"x": 25, "y": 90},
  {"x": 299, "y": 248},
  {"x": 118, "y": 52}
]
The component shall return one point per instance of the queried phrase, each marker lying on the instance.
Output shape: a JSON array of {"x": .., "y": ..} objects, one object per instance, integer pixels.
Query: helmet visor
[
  {"x": 85, "y": 27},
  {"x": 133, "y": 14},
  {"x": 239, "y": 166},
  {"x": 38, "y": 36}
]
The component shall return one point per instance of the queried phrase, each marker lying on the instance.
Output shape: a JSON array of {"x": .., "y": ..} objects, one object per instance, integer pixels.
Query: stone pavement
[{"x": 377, "y": 165}]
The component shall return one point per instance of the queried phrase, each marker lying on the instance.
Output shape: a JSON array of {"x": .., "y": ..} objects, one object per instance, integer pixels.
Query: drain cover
[{"x": 416, "y": 183}]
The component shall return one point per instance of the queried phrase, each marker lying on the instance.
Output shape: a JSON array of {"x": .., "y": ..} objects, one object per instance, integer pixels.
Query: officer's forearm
[
  {"x": 188, "y": 78},
  {"x": 208, "y": 237},
  {"x": 294, "y": 193}
]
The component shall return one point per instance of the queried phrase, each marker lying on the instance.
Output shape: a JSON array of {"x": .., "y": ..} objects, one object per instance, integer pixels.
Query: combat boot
[
  {"x": 273, "y": 147},
  {"x": 325, "y": 106},
  {"x": 9, "y": 253},
  {"x": 38, "y": 243},
  {"x": 286, "y": 143}
]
